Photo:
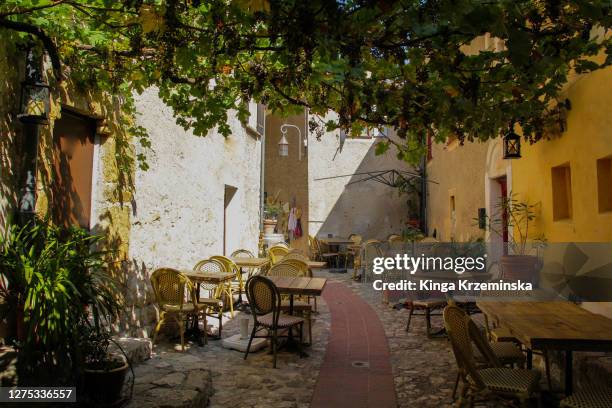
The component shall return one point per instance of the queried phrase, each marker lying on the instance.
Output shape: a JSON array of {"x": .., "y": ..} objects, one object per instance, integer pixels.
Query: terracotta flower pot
[
  {"x": 523, "y": 267},
  {"x": 269, "y": 226}
]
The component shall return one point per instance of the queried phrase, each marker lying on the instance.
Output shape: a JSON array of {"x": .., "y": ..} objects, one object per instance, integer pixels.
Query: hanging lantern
[
  {"x": 34, "y": 101},
  {"x": 283, "y": 146},
  {"x": 512, "y": 145}
]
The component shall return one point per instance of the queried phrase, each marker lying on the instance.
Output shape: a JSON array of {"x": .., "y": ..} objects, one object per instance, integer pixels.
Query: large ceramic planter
[
  {"x": 520, "y": 267},
  {"x": 269, "y": 226},
  {"x": 104, "y": 387}
]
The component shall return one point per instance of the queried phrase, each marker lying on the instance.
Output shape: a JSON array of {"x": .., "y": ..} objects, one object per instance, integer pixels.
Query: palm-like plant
[
  {"x": 518, "y": 215},
  {"x": 54, "y": 277}
]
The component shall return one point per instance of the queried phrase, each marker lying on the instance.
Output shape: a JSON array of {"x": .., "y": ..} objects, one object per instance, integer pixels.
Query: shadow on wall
[
  {"x": 368, "y": 208},
  {"x": 10, "y": 140}
]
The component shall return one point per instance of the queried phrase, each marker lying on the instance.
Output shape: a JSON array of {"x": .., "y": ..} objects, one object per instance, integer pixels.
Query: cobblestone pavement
[
  {"x": 254, "y": 383},
  {"x": 424, "y": 369}
]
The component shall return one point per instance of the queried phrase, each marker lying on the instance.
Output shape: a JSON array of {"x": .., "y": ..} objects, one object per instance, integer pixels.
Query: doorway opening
[{"x": 229, "y": 219}]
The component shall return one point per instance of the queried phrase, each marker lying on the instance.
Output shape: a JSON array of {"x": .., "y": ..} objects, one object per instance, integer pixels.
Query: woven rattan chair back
[
  {"x": 285, "y": 269},
  {"x": 394, "y": 238},
  {"x": 263, "y": 296},
  {"x": 456, "y": 323},
  {"x": 210, "y": 266},
  {"x": 227, "y": 263},
  {"x": 244, "y": 253},
  {"x": 296, "y": 255},
  {"x": 276, "y": 253},
  {"x": 371, "y": 249},
  {"x": 356, "y": 238},
  {"x": 171, "y": 288},
  {"x": 299, "y": 264}
]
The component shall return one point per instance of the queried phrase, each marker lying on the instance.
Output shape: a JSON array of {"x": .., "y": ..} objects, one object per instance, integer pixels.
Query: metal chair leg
[
  {"x": 246, "y": 354},
  {"x": 409, "y": 317}
]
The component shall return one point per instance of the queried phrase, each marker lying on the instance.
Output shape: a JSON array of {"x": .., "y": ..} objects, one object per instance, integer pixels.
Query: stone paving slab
[{"x": 235, "y": 382}]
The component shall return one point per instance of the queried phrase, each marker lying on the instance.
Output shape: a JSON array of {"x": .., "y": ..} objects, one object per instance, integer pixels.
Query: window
[
  {"x": 562, "y": 192},
  {"x": 261, "y": 118},
  {"x": 604, "y": 184}
]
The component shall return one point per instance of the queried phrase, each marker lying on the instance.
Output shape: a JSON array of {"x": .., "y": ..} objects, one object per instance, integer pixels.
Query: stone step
[
  {"x": 174, "y": 380},
  {"x": 136, "y": 349}
]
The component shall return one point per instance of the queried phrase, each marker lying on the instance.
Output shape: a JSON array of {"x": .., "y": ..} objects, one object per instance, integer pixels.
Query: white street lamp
[{"x": 283, "y": 145}]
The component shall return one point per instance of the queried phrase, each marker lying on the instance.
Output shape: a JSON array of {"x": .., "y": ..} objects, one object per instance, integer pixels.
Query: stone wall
[
  {"x": 177, "y": 211},
  {"x": 369, "y": 208}
]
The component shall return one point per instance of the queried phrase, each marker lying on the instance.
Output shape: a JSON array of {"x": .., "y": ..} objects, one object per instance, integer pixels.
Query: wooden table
[
  {"x": 250, "y": 262},
  {"x": 263, "y": 262},
  {"x": 208, "y": 277},
  {"x": 552, "y": 326},
  {"x": 299, "y": 285},
  {"x": 336, "y": 241}
]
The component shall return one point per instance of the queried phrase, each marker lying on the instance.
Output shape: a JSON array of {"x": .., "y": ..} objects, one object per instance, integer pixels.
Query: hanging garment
[
  {"x": 298, "y": 228},
  {"x": 292, "y": 222}
]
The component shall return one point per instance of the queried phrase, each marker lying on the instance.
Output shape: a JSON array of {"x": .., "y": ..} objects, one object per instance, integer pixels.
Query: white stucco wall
[
  {"x": 368, "y": 208},
  {"x": 179, "y": 201}
]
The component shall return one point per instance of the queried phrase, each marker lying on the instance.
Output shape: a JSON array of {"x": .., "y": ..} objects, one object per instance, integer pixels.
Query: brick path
[{"x": 356, "y": 371}]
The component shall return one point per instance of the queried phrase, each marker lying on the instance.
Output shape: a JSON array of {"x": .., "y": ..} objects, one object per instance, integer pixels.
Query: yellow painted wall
[{"x": 588, "y": 138}]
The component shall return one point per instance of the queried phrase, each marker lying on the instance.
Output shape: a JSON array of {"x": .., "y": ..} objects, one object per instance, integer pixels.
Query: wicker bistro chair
[
  {"x": 276, "y": 253},
  {"x": 321, "y": 253},
  {"x": 300, "y": 262},
  {"x": 212, "y": 303},
  {"x": 265, "y": 304},
  {"x": 589, "y": 397},
  {"x": 292, "y": 267},
  {"x": 352, "y": 250},
  {"x": 237, "y": 284},
  {"x": 370, "y": 249},
  {"x": 176, "y": 300},
  {"x": 491, "y": 382},
  {"x": 488, "y": 353},
  {"x": 244, "y": 253}
]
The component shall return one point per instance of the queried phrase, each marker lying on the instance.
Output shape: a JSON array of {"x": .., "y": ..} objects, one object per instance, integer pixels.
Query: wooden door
[{"x": 73, "y": 138}]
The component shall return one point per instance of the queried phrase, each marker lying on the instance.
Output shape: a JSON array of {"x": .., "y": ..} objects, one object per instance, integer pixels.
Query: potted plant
[
  {"x": 519, "y": 261},
  {"x": 104, "y": 372},
  {"x": 271, "y": 213},
  {"x": 51, "y": 279}
]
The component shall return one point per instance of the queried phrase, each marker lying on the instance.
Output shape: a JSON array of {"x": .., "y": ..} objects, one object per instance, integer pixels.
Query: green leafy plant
[
  {"x": 272, "y": 211},
  {"x": 53, "y": 279},
  {"x": 399, "y": 64},
  {"x": 518, "y": 216},
  {"x": 412, "y": 234}
]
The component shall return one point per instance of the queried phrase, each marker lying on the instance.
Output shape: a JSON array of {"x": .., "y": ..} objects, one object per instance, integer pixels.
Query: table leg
[
  {"x": 569, "y": 366},
  {"x": 529, "y": 359}
]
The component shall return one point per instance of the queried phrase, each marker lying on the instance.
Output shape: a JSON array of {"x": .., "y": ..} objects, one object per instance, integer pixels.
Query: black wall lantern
[
  {"x": 34, "y": 101},
  {"x": 512, "y": 144}
]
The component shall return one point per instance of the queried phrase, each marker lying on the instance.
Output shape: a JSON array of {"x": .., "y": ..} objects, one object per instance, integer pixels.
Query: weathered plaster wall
[
  {"x": 458, "y": 171},
  {"x": 368, "y": 208},
  {"x": 587, "y": 139},
  {"x": 178, "y": 204}
]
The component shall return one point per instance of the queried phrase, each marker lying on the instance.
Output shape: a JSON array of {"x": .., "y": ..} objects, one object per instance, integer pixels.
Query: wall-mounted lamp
[
  {"x": 283, "y": 145},
  {"x": 34, "y": 101},
  {"x": 512, "y": 144}
]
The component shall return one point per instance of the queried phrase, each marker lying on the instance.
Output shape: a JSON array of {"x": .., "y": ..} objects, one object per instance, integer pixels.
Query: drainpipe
[{"x": 262, "y": 174}]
